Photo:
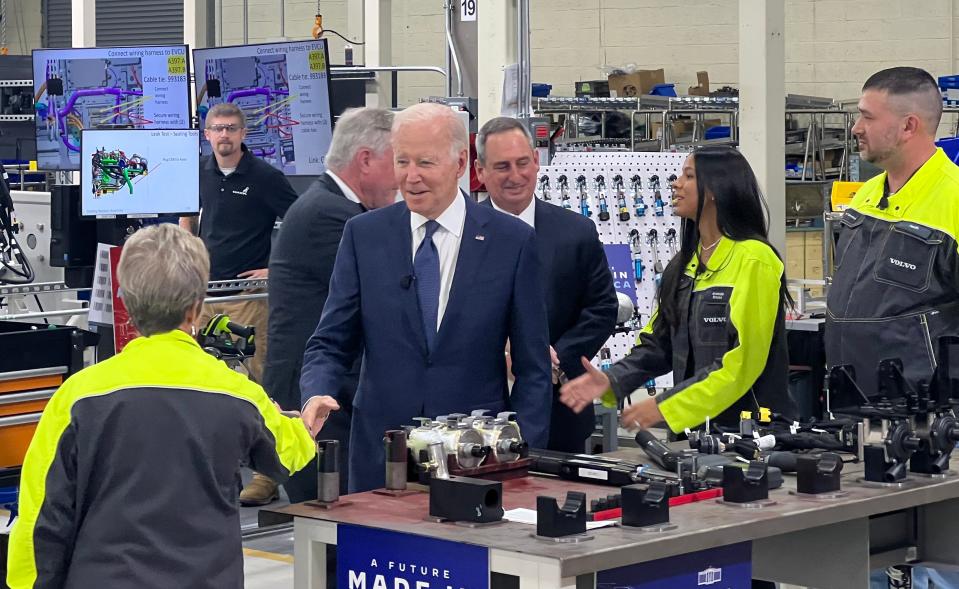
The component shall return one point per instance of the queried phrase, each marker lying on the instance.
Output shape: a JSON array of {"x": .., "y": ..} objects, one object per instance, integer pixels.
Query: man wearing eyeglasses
[{"x": 241, "y": 197}]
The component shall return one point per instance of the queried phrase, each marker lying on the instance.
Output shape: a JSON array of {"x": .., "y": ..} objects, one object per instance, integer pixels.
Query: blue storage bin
[
  {"x": 717, "y": 132},
  {"x": 542, "y": 90},
  {"x": 949, "y": 82},
  {"x": 663, "y": 90},
  {"x": 950, "y": 145}
]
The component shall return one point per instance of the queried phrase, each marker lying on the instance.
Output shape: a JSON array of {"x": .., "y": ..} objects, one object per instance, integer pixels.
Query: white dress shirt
[
  {"x": 347, "y": 191},
  {"x": 447, "y": 239},
  {"x": 528, "y": 215}
]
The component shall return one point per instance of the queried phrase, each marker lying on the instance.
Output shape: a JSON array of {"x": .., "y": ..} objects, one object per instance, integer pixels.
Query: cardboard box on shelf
[
  {"x": 702, "y": 87},
  {"x": 637, "y": 83}
]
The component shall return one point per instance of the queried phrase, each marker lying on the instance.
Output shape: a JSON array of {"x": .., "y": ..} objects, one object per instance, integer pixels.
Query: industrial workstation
[{"x": 449, "y": 294}]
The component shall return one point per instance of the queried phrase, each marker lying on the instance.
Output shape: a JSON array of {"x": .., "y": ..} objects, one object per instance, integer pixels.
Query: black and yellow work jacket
[
  {"x": 131, "y": 477},
  {"x": 728, "y": 353},
  {"x": 895, "y": 289}
]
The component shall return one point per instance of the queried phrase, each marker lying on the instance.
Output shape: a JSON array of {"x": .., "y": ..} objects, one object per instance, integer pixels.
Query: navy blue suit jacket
[
  {"x": 372, "y": 308},
  {"x": 581, "y": 306}
]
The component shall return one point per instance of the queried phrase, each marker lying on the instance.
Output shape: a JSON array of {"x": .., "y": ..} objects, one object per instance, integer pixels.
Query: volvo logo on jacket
[{"x": 902, "y": 264}]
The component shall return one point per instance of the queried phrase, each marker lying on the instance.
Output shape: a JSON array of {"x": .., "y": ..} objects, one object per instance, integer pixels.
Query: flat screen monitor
[
  {"x": 129, "y": 87},
  {"x": 284, "y": 91},
  {"x": 139, "y": 172}
]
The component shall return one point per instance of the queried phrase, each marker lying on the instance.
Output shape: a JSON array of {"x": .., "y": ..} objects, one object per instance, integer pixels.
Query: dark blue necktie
[{"x": 426, "y": 268}]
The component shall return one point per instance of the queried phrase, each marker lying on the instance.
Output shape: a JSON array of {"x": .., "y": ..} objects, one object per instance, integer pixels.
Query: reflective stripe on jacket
[
  {"x": 728, "y": 353},
  {"x": 131, "y": 477},
  {"x": 895, "y": 289}
]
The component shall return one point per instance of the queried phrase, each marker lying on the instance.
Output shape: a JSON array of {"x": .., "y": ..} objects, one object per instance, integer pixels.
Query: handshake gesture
[{"x": 317, "y": 411}]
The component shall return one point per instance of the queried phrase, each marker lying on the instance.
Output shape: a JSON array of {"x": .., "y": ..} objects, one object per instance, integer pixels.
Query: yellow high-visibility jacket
[
  {"x": 728, "y": 353},
  {"x": 131, "y": 477},
  {"x": 895, "y": 289}
]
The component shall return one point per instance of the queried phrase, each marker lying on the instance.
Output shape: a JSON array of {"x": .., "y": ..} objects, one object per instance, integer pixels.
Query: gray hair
[
  {"x": 499, "y": 125},
  {"x": 163, "y": 272},
  {"x": 356, "y": 129},
  {"x": 445, "y": 118},
  {"x": 227, "y": 110}
]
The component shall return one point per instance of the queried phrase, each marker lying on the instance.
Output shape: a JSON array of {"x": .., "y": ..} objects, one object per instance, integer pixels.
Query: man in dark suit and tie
[
  {"x": 359, "y": 177},
  {"x": 430, "y": 290},
  {"x": 580, "y": 299}
]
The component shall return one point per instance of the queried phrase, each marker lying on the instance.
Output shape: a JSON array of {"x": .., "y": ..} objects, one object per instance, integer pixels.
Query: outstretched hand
[
  {"x": 580, "y": 392},
  {"x": 317, "y": 411}
]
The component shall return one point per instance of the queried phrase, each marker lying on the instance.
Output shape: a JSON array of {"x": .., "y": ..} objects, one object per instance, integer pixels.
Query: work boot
[{"x": 262, "y": 490}]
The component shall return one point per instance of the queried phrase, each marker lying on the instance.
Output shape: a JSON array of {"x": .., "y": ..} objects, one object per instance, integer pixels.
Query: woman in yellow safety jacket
[{"x": 720, "y": 323}]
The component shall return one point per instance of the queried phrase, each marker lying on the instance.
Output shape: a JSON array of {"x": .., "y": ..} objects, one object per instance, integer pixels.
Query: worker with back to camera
[
  {"x": 720, "y": 322},
  {"x": 130, "y": 478},
  {"x": 241, "y": 196}
]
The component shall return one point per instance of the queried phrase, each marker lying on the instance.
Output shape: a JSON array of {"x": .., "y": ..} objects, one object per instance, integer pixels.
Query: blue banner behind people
[
  {"x": 621, "y": 265},
  {"x": 369, "y": 558}
]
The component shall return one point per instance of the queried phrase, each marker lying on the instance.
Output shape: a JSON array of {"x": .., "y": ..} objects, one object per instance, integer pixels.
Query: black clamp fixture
[
  {"x": 747, "y": 487},
  {"x": 553, "y": 521},
  {"x": 646, "y": 506},
  {"x": 818, "y": 475}
]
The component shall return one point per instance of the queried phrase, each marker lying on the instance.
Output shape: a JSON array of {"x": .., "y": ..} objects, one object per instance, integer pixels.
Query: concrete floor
[{"x": 267, "y": 561}]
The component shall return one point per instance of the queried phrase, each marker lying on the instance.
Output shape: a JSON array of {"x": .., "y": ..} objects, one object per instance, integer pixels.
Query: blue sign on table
[
  {"x": 725, "y": 567},
  {"x": 621, "y": 265},
  {"x": 368, "y": 558}
]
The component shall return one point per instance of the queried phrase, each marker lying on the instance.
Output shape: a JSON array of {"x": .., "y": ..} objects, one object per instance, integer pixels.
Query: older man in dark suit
[
  {"x": 359, "y": 177},
  {"x": 430, "y": 290},
  {"x": 581, "y": 302}
]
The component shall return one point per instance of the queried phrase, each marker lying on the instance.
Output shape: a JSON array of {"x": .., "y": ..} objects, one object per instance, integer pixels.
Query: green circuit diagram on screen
[{"x": 112, "y": 170}]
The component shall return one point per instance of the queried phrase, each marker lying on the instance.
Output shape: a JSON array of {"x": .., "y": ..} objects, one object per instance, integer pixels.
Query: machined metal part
[
  {"x": 328, "y": 470},
  {"x": 501, "y": 434},
  {"x": 437, "y": 460},
  {"x": 464, "y": 443},
  {"x": 394, "y": 442}
]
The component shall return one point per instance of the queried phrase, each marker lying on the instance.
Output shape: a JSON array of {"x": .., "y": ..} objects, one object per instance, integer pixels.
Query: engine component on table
[
  {"x": 553, "y": 521},
  {"x": 745, "y": 485},
  {"x": 938, "y": 437},
  {"x": 464, "y": 442},
  {"x": 394, "y": 445},
  {"x": 466, "y": 499},
  {"x": 885, "y": 462},
  {"x": 645, "y": 505},
  {"x": 328, "y": 470},
  {"x": 455, "y": 434},
  {"x": 818, "y": 474},
  {"x": 501, "y": 434}
]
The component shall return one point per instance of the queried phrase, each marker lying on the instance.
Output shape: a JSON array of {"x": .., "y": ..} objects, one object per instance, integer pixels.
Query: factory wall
[
  {"x": 23, "y": 26},
  {"x": 831, "y": 45}
]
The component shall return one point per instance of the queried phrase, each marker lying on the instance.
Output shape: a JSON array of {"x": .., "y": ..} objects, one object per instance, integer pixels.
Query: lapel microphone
[{"x": 407, "y": 281}]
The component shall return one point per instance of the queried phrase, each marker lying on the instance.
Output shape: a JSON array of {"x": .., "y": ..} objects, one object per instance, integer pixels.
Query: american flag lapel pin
[{"x": 480, "y": 237}]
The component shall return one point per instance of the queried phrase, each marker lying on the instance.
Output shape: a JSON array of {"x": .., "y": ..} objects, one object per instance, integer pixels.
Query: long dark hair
[{"x": 741, "y": 213}]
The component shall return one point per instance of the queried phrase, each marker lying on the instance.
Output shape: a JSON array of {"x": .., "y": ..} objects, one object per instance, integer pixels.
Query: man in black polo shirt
[{"x": 241, "y": 197}]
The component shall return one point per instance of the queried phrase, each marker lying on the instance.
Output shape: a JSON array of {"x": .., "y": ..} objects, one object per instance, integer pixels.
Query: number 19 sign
[{"x": 467, "y": 10}]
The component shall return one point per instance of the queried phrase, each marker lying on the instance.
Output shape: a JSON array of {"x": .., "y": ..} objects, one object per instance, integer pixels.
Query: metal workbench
[{"x": 825, "y": 544}]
